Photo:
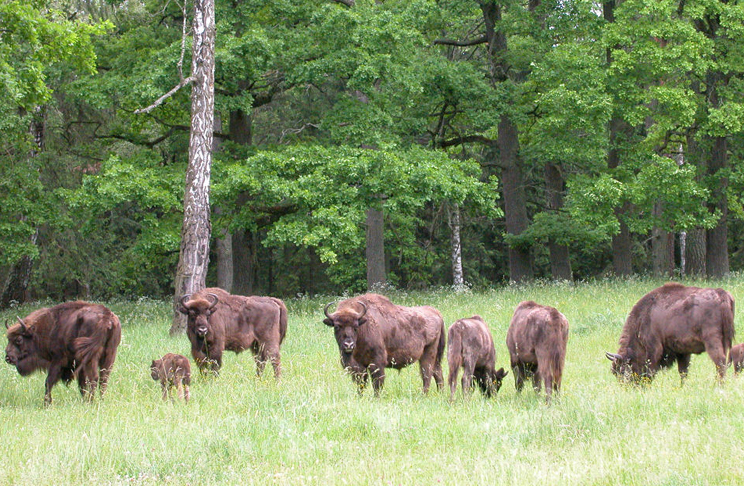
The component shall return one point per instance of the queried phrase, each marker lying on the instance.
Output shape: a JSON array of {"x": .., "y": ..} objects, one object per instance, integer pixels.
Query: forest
[{"x": 356, "y": 143}]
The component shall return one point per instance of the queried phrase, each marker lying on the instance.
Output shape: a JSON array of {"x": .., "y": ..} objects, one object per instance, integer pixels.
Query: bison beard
[
  {"x": 219, "y": 321},
  {"x": 372, "y": 334},
  {"x": 68, "y": 341},
  {"x": 671, "y": 323}
]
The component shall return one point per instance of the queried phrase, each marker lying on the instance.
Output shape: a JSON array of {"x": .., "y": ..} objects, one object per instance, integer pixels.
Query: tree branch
[
  {"x": 348, "y": 3},
  {"x": 469, "y": 139},
  {"x": 472, "y": 42}
]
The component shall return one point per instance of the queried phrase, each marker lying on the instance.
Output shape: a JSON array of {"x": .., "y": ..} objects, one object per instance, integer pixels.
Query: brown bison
[
  {"x": 219, "y": 321},
  {"x": 536, "y": 339},
  {"x": 471, "y": 347},
  {"x": 736, "y": 357},
  {"x": 172, "y": 370},
  {"x": 669, "y": 324},
  {"x": 373, "y": 334},
  {"x": 70, "y": 340}
]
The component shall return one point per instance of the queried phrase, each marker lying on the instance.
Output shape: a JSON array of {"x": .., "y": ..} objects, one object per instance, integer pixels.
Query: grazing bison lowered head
[
  {"x": 197, "y": 312},
  {"x": 670, "y": 324},
  {"x": 345, "y": 324}
]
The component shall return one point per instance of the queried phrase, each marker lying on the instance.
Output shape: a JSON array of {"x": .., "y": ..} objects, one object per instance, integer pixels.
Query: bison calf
[
  {"x": 736, "y": 357},
  {"x": 536, "y": 339},
  {"x": 172, "y": 370},
  {"x": 471, "y": 347}
]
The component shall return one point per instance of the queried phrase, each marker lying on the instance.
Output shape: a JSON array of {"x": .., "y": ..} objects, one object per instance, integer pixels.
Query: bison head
[
  {"x": 498, "y": 378},
  {"x": 621, "y": 366},
  {"x": 21, "y": 350},
  {"x": 198, "y": 312},
  {"x": 345, "y": 325},
  {"x": 154, "y": 369}
]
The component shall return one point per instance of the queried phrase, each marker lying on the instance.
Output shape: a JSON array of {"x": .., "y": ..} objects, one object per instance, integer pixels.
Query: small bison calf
[
  {"x": 736, "y": 357},
  {"x": 536, "y": 339},
  {"x": 471, "y": 347},
  {"x": 172, "y": 370}
]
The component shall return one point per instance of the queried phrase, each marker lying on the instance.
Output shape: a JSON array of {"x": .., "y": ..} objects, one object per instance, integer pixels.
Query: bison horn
[
  {"x": 364, "y": 310},
  {"x": 613, "y": 357},
  {"x": 183, "y": 299},
  {"x": 23, "y": 325},
  {"x": 325, "y": 310},
  {"x": 216, "y": 299}
]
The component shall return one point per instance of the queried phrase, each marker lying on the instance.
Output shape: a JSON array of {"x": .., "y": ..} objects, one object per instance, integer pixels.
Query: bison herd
[{"x": 78, "y": 340}]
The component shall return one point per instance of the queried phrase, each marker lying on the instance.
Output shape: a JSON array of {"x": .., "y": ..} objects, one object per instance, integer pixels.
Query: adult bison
[
  {"x": 536, "y": 339},
  {"x": 373, "y": 334},
  {"x": 70, "y": 340},
  {"x": 471, "y": 347},
  {"x": 219, "y": 321},
  {"x": 669, "y": 324}
]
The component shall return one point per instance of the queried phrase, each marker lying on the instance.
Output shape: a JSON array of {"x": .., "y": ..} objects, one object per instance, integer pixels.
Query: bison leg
[
  {"x": 716, "y": 353},
  {"x": 683, "y": 364},
  {"x": 179, "y": 389},
  {"x": 269, "y": 353},
  {"x": 468, "y": 368},
  {"x": 454, "y": 369},
  {"x": 186, "y": 394},
  {"x": 106, "y": 363},
  {"x": 377, "y": 372},
  {"x": 87, "y": 380},
  {"x": 164, "y": 387},
  {"x": 53, "y": 376},
  {"x": 428, "y": 367},
  {"x": 520, "y": 373}
]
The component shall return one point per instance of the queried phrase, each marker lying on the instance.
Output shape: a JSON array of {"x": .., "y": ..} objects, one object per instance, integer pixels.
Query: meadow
[{"x": 313, "y": 428}]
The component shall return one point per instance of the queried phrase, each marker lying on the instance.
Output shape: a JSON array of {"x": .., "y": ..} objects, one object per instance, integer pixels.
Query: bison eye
[{"x": 19, "y": 340}]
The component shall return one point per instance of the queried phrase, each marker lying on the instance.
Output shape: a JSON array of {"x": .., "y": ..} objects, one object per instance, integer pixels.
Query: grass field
[{"x": 312, "y": 428}]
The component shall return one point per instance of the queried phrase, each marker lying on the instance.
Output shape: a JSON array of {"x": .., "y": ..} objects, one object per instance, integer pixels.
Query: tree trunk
[
  {"x": 193, "y": 260},
  {"x": 515, "y": 204},
  {"x": 375, "y": 248},
  {"x": 241, "y": 127},
  {"x": 560, "y": 260},
  {"x": 662, "y": 248},
  {"x": 243, "y": 263},
  {"x": 225, "y": 262},
  {"x": 453, "y": 218},
  {"x": 19, "y": 277},
  {"x": 717, "y": 261}
]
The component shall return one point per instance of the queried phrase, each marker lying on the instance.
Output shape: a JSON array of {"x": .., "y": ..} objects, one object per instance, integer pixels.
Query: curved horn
[
  {"x": 183, "y": 299},
  {"x": 613, "y": 357},
  {"x": 325, "y": 310},
  {"x": 364, "y": 311},
  {"x": 6, "y": 324},
  {"x": 216, "y": 299},
  {"x": 23, "y": 325}
]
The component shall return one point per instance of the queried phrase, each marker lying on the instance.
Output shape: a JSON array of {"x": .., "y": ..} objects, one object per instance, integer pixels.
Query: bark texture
[{"x": 375, "y": 251}]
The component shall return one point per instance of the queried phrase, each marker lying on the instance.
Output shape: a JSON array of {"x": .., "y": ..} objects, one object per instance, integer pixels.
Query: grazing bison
[
  {"x": 218, "y": 321},
  {"x": 536, "y": 339},
  {"x": 471, "y": 347},
  {"x": 172, "y": 370},
  {"x": 70, "y": 340},
  {"x": 373, "y": 334},
  {"x": 736, "y": 357},
  {"x": 669, "y": 324}
]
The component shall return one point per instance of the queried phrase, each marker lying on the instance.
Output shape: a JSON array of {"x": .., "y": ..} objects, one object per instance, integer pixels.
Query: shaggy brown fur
[
  {"x": 736, "y": 357},
  {"x": 471, "y": 347},
  {"x": 536, "y": 339},
  {"x": 172, "y": 370},
  {"x": 70, "y": 340},
  {"x": 219, "y": 321},
  {"x": 373, "y": 334},
  {"x": 669, "y": 324}
]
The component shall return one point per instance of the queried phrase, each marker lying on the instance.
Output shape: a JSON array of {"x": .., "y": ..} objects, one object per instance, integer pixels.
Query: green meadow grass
[{"x": 312, "y": 428}]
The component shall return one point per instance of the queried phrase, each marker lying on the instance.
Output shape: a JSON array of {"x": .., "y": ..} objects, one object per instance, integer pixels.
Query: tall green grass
[{"x": 312, "y": 428}]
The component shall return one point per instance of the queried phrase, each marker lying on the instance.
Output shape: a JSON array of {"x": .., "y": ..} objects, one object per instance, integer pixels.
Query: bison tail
[
  {"x": 454, "y": 353},
  {"x": 727, "y": 322},
  {"x": 105, "y": 339},
  {"x": 282, "y": 320}
]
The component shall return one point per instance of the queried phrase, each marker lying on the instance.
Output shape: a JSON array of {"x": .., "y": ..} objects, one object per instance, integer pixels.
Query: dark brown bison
[
  {"x": 669, "y": 324},
  {"x": 536, "y": 339},
  {"x": 471, "y": 347},
  {"x": 736, "y": 357},
  {"x": 219, "y": 321},
  {"x": 172, "y": 370},
  {"x": 373, "y": 334},
  {"x": 70, "y": 340}
]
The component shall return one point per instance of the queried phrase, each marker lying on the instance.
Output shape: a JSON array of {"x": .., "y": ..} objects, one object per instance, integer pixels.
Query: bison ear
[
  {"x": 361, "y": 321},
  {"x": 500, "y": 374},
  {"x": 328, "y": 322}
]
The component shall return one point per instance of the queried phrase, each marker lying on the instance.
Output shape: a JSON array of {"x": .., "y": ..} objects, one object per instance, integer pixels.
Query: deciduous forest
[{"x": 415, "y": 144}]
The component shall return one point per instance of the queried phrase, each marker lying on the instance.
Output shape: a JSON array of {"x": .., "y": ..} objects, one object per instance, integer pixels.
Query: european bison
[
  {"x": 536, "y": 339},
  {"x": 172, "y": 370},
  {"x": 471, "y": 347},
  {"x": 669, "y": 324},
  {"x": 736, "y": 357},
  {"x": 70, "y": 340},
  {"x": 373, "y": 334},
  {"x": 219, "y": 321}
]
